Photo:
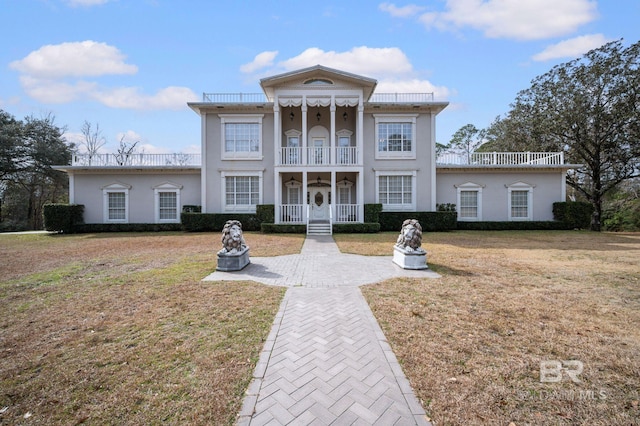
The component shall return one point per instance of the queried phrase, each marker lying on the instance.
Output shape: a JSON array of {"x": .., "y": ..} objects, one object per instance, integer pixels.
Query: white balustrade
[
  {"x": 346, "y": 213},
  {"x": 502, "y": 158},
  {"x": 153, "y": 160},
  {"x": 292, "y": 213}
]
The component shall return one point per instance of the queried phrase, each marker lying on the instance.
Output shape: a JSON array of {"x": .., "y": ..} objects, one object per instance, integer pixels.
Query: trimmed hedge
[
  {"x": 94, "y": 228},
  {"x": 283, "y": 228},
  {"x": 372, "y": 213},
  {"x": 187, "y": 208},
  {"x": 266, "y": 213},
  {"x": 62, "y": 217},
  {"x": 430, "y": 221},
  {"x": 574, "y": 214},
  {"x": 214, "y": 222},
  {"x": 356, "y": 228},
  {"x": 512, "y": 226}
]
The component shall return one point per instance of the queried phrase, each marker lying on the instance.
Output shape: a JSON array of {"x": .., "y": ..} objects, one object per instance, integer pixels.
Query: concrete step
[{"x": 319, "y": 229}]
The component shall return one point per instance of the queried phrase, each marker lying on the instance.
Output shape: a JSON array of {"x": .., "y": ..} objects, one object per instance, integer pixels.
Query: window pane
[
  {"x": 242, "y": 190},
  {"x": 520, "y": 204},
  {"x": 395, "y": 190},
  {"x": 168, "y": 204},
  {"x": 242, "y": 137},
  {"x": 117, "y": 205},
  {"x": 394, "y": 137},
  {"x": 468, "y": 203}
]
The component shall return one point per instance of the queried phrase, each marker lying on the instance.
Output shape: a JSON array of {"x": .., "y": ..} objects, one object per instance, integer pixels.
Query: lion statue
[
  {"x": 232, "y": 239},
  {"x": 410, "y": 238}
]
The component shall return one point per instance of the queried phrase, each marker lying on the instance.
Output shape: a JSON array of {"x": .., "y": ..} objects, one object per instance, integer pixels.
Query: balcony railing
[
  {"x": 401, "y": 98},
  {"x": 346, "y": 213},
  {"x": 502, "y": 159},
  {"x": 150, "y": 160},
  {"x": 319, "y": 156}
]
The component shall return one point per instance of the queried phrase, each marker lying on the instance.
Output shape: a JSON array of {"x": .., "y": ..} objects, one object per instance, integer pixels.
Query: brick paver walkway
[{"x": 326, "y": 360}]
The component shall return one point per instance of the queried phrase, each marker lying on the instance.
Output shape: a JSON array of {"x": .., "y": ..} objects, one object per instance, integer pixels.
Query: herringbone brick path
[{"x": 326, "y": 360}]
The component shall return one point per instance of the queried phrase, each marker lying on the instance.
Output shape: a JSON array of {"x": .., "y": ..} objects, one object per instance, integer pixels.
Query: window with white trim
[
  {"x": 520, "y": 200},
  {"x": 395, "y": 136},
  {"x": 167, "y": 202},
  {"x": 116, "y": 203},
  {"x": 242, "y": 192},
  {"x": 241, "y": 136},
  {"x": 396, "y": 190},
  {"x": 469, "y": 201}
]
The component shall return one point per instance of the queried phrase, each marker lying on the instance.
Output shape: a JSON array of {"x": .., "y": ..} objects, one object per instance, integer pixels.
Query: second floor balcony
[
  {"x": 501, "y": 159},
  {"x": 136, "y": 160},
  {"x": 318, "y": 156}
]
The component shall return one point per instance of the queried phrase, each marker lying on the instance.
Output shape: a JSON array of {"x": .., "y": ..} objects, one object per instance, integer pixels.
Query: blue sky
[{"x": 132, "y": 65}]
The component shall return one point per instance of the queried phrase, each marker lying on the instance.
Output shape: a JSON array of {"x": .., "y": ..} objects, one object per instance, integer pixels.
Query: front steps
[{"x": 319, "y": 228}]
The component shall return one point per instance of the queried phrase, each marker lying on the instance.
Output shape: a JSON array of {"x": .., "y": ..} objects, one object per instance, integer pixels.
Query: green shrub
[
  {"x": 95, "y": 228},
  {"x": 512, "y": 226},
  {"x": 266, "y": 213},
  {"x": 430, "y": 221},
  {"x": 283, "y": 228},
  {"x": 214, "y": 222},
  {"x": 356, "y": 228},
  {"x": 62, "y": 217},
  {"x": 574, "y": 214},
  {"x": 372, "y": 213},
  {"x": 446, "y": 207}
]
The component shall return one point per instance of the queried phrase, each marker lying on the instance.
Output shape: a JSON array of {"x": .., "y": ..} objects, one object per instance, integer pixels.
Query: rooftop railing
[
  {"x": 502, "y": 159},
  {"x": 239, "y": 98},
  {"x": 149, "y": 160}
]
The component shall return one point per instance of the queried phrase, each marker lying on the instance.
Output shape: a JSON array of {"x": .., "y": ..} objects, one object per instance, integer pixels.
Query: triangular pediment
[{"x": 318, "y": 77}]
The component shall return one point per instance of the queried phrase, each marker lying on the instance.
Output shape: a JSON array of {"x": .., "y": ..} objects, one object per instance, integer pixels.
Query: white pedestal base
[{"x": 410, "y": 260}]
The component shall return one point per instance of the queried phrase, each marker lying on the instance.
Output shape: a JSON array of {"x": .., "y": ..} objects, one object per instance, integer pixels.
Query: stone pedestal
[
  {"x": 233, "y": 261},
  {"x": 410, "y": 259}
]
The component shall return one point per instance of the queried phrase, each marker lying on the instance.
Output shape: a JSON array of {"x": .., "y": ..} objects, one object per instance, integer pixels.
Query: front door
[{"x": 319, "y": 200}]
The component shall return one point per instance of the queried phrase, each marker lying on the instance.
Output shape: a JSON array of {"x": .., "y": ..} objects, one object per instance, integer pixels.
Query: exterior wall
[
  {"x": 421, "y": 165},
  {"x": 547, "y": 189},
  {"x": 88, "y": 191},
  {"x": 213, "y": 165}
]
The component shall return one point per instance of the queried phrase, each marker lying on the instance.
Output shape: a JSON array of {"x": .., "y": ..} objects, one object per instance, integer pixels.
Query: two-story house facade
[{"x": 318, "y": 144}]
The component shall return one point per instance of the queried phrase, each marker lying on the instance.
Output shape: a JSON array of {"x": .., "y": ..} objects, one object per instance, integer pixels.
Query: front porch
[{"x": 319, "y": 198}]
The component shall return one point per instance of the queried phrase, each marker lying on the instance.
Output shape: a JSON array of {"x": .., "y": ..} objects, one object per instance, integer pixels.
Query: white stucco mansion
[{"x": 319, "y": 144}]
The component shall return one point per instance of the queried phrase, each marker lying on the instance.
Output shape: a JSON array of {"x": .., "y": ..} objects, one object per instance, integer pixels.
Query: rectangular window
[
  {"x": 519, "y": 204},
  {"x": 469, "y": 204},
  {"x": 168, "y": 205},
  {"x": 117, "y": 207},
  {"x": 395, "y": 191},
  {"x": 395, "y": 137},
  {"x": 242, "y": 137},
  {"x": 242, "y": 191}
]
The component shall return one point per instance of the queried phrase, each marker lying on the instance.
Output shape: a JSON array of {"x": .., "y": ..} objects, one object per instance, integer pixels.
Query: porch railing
[
  {"x": 290, "y": 156},
  {"x": 346, "y": 155},
  {"x": 116, "y": 160},
  {"x": 292, "y": 213},
  {"x": 502, "y": 158},
  {"x": 347, "y": 213},
  {"x": 317, "y": 156}
]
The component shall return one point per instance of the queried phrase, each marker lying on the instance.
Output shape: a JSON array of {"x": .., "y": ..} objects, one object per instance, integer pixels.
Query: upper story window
[
  {"x": 242, "y": 136},
  {"x": 395, "y": 136}
]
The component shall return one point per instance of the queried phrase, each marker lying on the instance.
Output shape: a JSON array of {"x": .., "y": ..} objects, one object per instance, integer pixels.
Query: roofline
[{"x": 318, "y": 67}]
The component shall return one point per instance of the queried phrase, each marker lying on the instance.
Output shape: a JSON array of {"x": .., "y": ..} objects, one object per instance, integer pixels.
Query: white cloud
[
  {"x": 264, "y": 59},
  {"x": 389, "y": 66},
  {"x": 53, "y": 74},
  {"x": 572, "y": 48},
  {"x": 514, "y": 19},
  {"x": 401, "y": 12},
  {"x": 75, "y": 59}
]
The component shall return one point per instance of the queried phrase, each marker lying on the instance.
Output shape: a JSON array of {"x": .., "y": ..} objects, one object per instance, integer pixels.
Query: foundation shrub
[{"x": 62, "y": 217}]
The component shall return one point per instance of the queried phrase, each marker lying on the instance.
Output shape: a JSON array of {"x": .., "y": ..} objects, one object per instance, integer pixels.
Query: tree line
[{"x": 588, "y": 108}]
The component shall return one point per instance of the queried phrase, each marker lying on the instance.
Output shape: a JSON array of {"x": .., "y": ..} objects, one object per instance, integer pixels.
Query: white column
[
  {"x": 277, "y": 185},
  {"x": 333, "y": 194},
  {"x": 304, "y": 130},
  {"x": 359, "y": 134},
  {"x": 203, "y": 163},
  {"x": 304, "y": 196},
  {"x": 72, "y": 189},
  {"x": 332, "y": 110},
  {"x": 361, "y": 196}
]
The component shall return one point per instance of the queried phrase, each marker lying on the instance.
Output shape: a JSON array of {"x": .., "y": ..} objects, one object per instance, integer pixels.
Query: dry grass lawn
[
  {"x": 471, "y": 342},
  {"x": 119, "y": 329}
]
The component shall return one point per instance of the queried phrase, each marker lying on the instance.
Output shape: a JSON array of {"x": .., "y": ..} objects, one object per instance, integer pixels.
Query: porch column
[
  {"x": 304, "y": 129},
  {"x": 332, "y": 155},
  {"x": 360, "y": 189},
  {"x": 277, "y": 177},
  {"x": 277, "y": 135},
  {"x": 304, "y": 196},
  {"x": 359, "y": 133},
  {"x": 333, "y": 194}
]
